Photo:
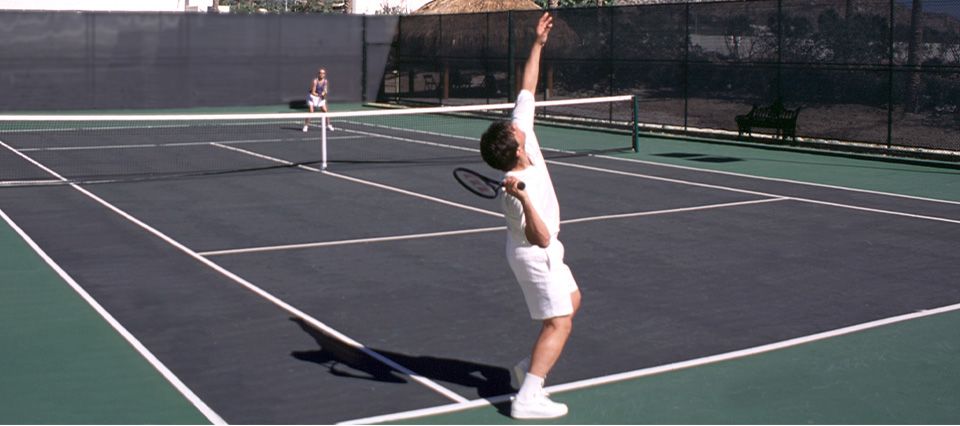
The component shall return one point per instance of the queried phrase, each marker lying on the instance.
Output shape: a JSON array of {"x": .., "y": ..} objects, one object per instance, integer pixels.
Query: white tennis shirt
[
  {"x": 546, "y": 281},
  {"x": 539, "y": 186}
]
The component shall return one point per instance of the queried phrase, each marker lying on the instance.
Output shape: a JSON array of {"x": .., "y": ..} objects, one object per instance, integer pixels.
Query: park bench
[
  {"x": 429, "y": 83},
  {"x": 775, "y": 116}
]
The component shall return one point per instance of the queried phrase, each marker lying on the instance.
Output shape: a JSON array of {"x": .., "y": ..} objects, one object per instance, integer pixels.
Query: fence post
[
  {"x": 398, "y": 65},
  {"x": 486, "y": 62},
  {"x": 511, "y": 73},
  {"x": 439, "y": 64},
  {"x": 635, "y": 124},
  {"x": 363, "y": 71},
  {"x": 685, "y": 65},
  {"x": 890, "y": 82},
  {"x": 779, "y": 88},
  {"x": 610, "y": 62}
]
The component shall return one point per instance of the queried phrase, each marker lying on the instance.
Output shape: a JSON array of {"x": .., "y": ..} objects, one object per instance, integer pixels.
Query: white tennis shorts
[
  {"x": 316, "y": 101},
  {"x": 546, "y": 281}
]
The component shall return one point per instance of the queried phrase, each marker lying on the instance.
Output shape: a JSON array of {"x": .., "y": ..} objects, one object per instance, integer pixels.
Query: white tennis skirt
[{"x": 316, "y": 101}]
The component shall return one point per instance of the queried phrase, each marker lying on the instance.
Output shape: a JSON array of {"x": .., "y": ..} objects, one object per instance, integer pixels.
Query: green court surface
[
  {"x": 903, "y": 373},
  {"x": 916, "y": 178},
  {"x": 62, "y": 363}
]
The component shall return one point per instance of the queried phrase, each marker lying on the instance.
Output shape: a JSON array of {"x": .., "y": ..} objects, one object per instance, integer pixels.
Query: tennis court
[{"x": 218, "y": 273}]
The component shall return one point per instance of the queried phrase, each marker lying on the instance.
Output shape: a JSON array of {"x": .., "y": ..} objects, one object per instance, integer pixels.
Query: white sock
[{"x": 532, "y": 386}]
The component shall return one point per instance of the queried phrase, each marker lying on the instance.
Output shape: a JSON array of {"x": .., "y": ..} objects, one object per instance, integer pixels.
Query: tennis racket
[{"x": 479, "y": 184}]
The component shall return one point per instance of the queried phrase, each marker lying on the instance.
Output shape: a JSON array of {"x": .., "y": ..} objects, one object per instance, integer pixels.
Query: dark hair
[{"x": 498, "y": 146}]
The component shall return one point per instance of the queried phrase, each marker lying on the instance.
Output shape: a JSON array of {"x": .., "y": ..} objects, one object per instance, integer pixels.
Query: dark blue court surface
[{"x": 256, "y": 288}]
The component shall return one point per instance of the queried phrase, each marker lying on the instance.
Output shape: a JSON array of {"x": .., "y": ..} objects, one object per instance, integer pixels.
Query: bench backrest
[{"x": 773, "y": 112}]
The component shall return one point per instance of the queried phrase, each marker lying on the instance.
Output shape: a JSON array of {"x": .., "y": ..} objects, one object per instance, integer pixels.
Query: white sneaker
[
  {"x": 519, "y": 372},
  {"x": 305, "y": 127},
  {"x": 330, "y": 127},
  {"x": 538, "y": 407}
]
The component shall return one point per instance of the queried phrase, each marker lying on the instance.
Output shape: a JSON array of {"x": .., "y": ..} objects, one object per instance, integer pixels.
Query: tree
[
  {"x": 279, "y": 6},
  {"x": 396, "y": 9},
  {"x": 854, "y": 39}
]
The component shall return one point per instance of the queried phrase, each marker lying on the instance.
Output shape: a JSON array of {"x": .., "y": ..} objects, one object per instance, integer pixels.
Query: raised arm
[{"x": 531, "y": 70}]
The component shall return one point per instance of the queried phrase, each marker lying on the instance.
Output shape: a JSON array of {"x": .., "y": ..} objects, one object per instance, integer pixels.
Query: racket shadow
[{"x": 343, "y": 360}]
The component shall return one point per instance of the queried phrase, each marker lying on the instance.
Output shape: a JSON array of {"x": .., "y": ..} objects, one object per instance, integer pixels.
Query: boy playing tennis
[{"x": 533, "y": 250}]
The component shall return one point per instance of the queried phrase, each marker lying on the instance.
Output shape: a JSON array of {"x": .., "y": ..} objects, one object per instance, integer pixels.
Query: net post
[
  {"x": 323, "y": 141},
  {"x": 635, "y": 124}
]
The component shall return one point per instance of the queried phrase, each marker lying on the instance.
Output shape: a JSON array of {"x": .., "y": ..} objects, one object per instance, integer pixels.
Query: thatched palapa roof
[
  {"x": 472, "y": 6},
  {"x": 565, "y": 38}
]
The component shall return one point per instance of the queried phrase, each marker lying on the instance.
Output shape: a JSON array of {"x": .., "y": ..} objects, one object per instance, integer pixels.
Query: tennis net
[{"x": 89, "y": 149}]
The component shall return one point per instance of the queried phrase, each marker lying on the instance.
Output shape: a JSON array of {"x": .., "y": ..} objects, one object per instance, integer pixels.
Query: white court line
[
  {"x": 698, "y": 362},
  {"x": 365, "y": 182},
  {"x": 416, "y": 141},
  {"x": 796, "y": 182},
  {"x": 15, "y": 183},
  {"x": 676, "y": 166},
  {"x": 676, "y": 210},
  {"x": 868, "y": 209},
  {"x": 201, "y": 406},
  {"x": 176, "y": 144},
  {"x": 220, "y": 144},
  {"x": 719, "y": 187},
  {"x": 726, "y": 188},
  {"x": 663, "y": 179},
  {"x": 264, "y": 157},
  {"x": 414, "y": 194},
  {"x": 125, "y": 118},
  {"x": 348, "y": 242},
  {"x": 253, "y": 288},
  {"x": 711, "y": 186},
  {"x": 472, "y": 231}
]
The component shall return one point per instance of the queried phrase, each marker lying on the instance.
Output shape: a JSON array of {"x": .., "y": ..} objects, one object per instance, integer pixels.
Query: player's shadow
[{"x": 344, "y": 360}]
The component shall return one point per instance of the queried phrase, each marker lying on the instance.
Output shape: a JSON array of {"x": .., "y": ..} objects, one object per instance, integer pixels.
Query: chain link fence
[{"x": 875, "y": 73}]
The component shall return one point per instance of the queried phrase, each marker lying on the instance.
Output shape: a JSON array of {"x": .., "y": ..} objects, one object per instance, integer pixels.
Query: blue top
[{"x": 321, "y": 86}]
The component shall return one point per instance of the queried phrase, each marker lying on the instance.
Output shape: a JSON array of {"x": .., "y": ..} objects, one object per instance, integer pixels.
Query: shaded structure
[{"x": 456, "y": 35}]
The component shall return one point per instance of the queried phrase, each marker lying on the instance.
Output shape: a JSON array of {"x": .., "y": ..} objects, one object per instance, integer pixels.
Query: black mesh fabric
[{"x": 857, "y": 70}]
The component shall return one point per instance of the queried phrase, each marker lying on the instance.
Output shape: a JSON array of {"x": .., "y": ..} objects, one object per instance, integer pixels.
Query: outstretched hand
[{"x": 543, "y": 28}]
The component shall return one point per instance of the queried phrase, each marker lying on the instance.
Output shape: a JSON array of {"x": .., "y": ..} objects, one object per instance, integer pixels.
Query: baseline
[
  {"x": 582, "y": 384},
  {"x": 473, "y": 231}
]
